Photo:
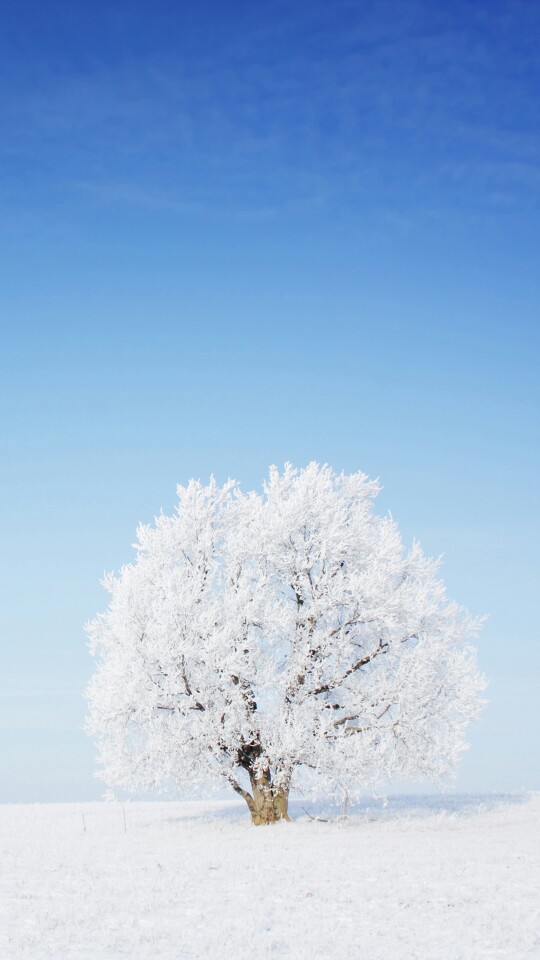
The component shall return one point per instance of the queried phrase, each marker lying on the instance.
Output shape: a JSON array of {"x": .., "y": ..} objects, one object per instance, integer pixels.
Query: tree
[{"x": 279, "y": 638}]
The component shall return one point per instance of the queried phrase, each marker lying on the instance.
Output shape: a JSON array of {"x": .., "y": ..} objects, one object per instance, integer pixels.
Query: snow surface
[{"x": 439, "y": 878}]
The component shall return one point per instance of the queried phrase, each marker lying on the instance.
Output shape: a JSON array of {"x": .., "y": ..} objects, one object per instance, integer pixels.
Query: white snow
[{"x": 434, "y": 879}]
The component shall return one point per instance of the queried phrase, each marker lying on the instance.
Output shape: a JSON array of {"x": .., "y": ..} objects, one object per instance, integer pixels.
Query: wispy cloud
[{"x": 338, "y": 103}]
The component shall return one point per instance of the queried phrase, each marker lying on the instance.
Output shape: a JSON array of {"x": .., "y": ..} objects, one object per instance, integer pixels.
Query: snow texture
[{"x": 419, "y": 879}]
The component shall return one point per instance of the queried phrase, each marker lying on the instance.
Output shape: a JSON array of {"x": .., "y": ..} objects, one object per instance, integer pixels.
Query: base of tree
[
  {"x": 266, "y": 802},
  {"x": 272, "y": 810}
]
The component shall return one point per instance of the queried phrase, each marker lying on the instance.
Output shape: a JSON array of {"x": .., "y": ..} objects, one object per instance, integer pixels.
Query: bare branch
[{"x": 326, "y": 687}]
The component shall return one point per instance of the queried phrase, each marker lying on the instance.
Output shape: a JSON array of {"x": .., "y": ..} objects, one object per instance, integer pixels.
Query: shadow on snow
[{"x": 388, "y": 808}]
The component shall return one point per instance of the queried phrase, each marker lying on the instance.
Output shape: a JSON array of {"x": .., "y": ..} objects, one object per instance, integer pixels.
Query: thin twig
[{"x": 319, "y": 819}]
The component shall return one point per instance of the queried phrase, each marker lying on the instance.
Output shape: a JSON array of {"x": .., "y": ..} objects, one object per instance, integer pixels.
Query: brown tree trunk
[{"x": 268, "y": 804}]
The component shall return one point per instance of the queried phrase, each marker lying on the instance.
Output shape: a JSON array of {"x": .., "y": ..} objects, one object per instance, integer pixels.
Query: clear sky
[{"x": 235, "y": 234}]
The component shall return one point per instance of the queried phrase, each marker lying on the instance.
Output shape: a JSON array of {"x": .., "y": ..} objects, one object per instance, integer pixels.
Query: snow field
[{"x": 422, "y": 879}]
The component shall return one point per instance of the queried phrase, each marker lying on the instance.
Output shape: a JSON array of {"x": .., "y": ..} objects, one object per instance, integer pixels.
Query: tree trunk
[{"x": 268, "y": 804}]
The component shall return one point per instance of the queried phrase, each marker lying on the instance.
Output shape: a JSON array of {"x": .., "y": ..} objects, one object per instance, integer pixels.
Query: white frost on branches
[{"x": 280, "y": 638}]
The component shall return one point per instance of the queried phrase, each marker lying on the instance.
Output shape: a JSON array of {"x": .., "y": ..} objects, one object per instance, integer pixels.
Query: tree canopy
[{"x": 279, "y": 638}]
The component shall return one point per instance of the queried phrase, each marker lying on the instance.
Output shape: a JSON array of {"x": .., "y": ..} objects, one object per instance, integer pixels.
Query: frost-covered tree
[{"x": 279, "y": 638}]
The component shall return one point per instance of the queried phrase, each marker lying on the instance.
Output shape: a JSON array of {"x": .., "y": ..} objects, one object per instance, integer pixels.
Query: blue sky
[{"x": 238, "y": 234}]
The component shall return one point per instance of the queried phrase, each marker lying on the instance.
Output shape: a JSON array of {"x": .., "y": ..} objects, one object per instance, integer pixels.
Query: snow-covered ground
[{"x": 443, "y": 878}]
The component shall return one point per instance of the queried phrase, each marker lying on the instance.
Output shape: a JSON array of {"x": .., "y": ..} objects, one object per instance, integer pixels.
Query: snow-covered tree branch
[{"x": 261, "y": 640}]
